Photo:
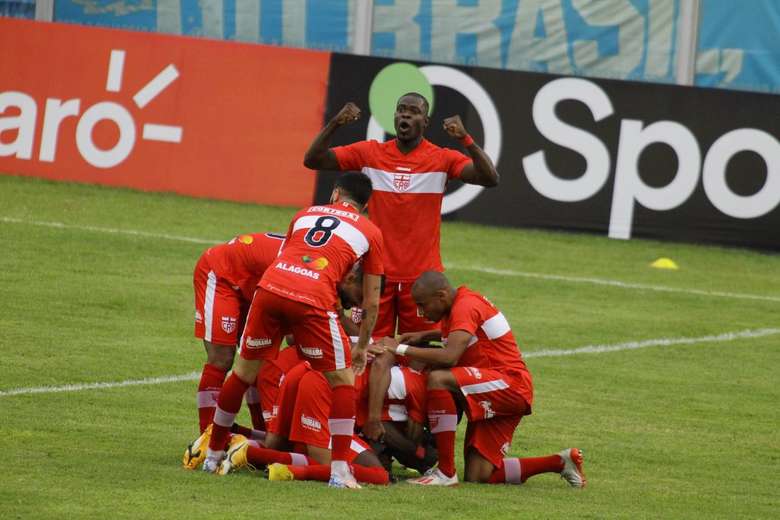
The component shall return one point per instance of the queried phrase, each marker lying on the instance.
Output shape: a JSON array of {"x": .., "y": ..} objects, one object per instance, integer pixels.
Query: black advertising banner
[{"x": 619, "y": 158}]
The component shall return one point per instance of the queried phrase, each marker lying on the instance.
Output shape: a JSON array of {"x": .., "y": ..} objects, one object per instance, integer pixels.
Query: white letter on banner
[
  {"x": 629, "y": 186},
  {"x": 55, "y": 112},
  {"x": 294, "y": 23},
  {"x": 524, "y": 49},
  {"x": 630, "y": 26},
  {"x": 124, "y": 122},
  {"x": 589, "y": 146},
  {"x": 399, "y": 19},
  {"x": 24, "y": 122},
  {"x": 451, "y": 19},
  {"x": 714, "y": 176}
]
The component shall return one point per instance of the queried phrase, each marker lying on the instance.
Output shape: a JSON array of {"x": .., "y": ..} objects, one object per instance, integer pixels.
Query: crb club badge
[
  {"x": 228, "y": 324},
  {"x": 402, "y": 181}
]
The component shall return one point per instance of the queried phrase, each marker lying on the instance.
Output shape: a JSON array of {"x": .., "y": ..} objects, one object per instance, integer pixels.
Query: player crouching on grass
[{"x": 486, "y": 372}]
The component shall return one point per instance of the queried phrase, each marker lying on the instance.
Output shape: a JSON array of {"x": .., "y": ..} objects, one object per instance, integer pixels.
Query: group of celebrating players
[{"x": 383, "y": 355}]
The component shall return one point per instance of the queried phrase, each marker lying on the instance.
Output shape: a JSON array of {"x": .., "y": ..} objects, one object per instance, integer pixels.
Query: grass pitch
[{"x": 681, "y": 430}]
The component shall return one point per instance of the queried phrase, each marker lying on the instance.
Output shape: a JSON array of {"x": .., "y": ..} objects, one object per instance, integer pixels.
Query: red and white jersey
[
  {"x": 323, "y": 244},
  {"x": 405, "y": 397},
  {"x": 407, "y": 197},
  {"x": 492, "y": 343},
  {"x": 243, "y": 260}
]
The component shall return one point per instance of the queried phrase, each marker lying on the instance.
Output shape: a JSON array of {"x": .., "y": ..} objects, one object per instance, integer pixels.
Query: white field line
[
  {"x": 131, "y": 232},
  {"x": 614, "y": 283},
  {"x": 589, "y": 349},
  {"x": 489, "y": 270}
]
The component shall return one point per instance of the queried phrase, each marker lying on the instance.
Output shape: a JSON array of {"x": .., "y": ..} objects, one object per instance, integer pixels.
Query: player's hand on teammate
[
  {"x": 359, "y": 359},
  {"x": 373, "y": 429},
  {"x": 348, "y": 114},
  {"x": 454, "y": 127},
  {"x": 373, "y": 350},
  {"x": 413, "y": 338}
]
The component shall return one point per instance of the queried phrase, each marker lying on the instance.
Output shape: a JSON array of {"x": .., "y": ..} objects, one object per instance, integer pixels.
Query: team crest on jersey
[
  {"x": 488, "y": 407},
  {"x": 228, "y": 324},
  {"x": 402, "y": 181}
]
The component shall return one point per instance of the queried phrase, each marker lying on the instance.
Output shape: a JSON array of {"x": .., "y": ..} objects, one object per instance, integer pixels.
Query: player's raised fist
[
  {"x": 454, "y": 126},
  {"x": 349, "y": 113}
]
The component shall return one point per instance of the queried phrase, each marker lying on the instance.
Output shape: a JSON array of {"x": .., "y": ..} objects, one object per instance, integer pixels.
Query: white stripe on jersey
[
  {"x": 429, "y": 182},
  {"x": 346, "y": 231},
  {"x": 397, "y": 389},
  {"x": 496, "y": 326},
  {"x": 208, "y": 304}
]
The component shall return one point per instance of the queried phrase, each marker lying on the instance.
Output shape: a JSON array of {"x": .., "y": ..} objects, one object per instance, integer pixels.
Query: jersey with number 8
[{"x": 323, "y": 244}]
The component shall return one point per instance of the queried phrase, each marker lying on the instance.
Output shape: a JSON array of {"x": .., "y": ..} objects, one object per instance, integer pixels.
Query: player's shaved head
[
  {"x": 418, "y": 96},
  {"x": 431, "y": 281}
]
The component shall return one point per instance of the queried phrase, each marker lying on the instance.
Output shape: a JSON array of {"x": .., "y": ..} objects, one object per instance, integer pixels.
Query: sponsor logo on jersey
[
  {"x": 312, "y": 352},
  {"x": 258, "y": 342},
  {"x": 475, "y": 373},
  {"x": 295, "y": 269},
  {"x": 402, "y": 181},
  {"x": 229, "y": 324},
  {"x": 488, "y": 407},
  {"x": 310, "y": 423},
  {"x": 403, "y": 169},
  {"x": 319, "y": 263},
  {"x": 246, "y": 239},
  {"x": 198, "y": 316}
]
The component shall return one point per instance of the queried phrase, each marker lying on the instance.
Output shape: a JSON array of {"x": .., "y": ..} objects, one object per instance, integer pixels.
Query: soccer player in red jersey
[
  {"x": 224, "y": 280},
  {"x": 409, "y": 175},
  {"x": 299, "y": 292},
  {"x": 490, "y": 377}
]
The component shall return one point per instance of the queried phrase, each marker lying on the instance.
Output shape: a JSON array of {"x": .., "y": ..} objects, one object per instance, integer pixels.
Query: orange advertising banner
[{"x": 199, "y": 117}]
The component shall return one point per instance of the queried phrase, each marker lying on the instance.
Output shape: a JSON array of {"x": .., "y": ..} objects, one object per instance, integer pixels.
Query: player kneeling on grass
[
  {"x": 485, "y": 370},
  {"x": 306, "y": 429}
]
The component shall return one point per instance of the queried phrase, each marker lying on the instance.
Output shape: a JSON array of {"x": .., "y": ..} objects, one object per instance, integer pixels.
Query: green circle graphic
[{"x": 391, "y": 83}]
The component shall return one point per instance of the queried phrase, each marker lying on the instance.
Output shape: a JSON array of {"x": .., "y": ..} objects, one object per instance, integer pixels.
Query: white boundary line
[
  {"x": 589, "y": 349},
  {"x": 613, "y": 283},
  {"x": 488, "y": 270}
]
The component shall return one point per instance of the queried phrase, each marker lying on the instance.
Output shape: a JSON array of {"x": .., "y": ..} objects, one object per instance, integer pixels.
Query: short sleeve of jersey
[
  {"x": 372, "y": 262},
  {"x": 465, "y": 315},
  {"x": 353, "y": 156},
  {"x": 455, "y": 161}
]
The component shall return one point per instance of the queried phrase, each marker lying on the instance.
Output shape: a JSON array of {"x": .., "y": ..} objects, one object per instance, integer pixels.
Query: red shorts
[
  {"x": 494, "y": 409},
  {"x": 396, "y": 304},
  {"x": 270, "y": 378},
  {"x": 319, "y": 336},
  {"x": 219, "y": 309},
  {"x": 310, "y": 418},
  {"x": 284, "y": 406}
]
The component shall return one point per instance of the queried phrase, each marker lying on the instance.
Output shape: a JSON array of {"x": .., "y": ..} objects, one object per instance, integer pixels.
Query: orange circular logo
[{"x": 246, "y": 239}]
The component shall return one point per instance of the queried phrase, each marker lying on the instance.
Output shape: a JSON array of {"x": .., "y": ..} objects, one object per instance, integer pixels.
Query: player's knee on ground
[
  {"x": 478, "y": 468},
  {"x": 221, "y": 356}
]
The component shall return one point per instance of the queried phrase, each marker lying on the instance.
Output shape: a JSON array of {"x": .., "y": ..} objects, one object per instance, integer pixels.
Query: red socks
[
  {"x": 228, "y": 404},
  {"x": 342, "y": 421},
  {"x": 368, "y": 475},
  {"x": 211, "y": 379},
  {"x": 517, "y": 471},
  {"x": 260, "y": 456},
  {"x": 443, "y": 420}
]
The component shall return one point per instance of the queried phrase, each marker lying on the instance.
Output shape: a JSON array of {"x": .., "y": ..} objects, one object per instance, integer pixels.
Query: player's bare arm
[
  {"x": 447, "y": 356},
  {"x": 372, "y": 284},
  {"x": 319, "y": 156},
  {"x": 415, "y": 338},
  {"x": 481, "y": 170}
]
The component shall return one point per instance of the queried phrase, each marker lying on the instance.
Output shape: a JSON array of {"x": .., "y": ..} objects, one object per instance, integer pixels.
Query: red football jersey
[
  {"x": 407, "y": 197},
  {"x": 492, "y": 344},
  {"x": 243, "y": 260},
  {"x": 323, "y": 244}
]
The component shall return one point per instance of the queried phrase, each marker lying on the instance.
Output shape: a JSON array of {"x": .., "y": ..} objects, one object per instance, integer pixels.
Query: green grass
[{"x": 684, "y": 431}]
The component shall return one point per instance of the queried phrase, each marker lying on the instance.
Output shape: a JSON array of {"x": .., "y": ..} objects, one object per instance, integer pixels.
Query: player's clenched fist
[
  {"x": 349, "y": 113},
  {"x": 454, "y": 126}
]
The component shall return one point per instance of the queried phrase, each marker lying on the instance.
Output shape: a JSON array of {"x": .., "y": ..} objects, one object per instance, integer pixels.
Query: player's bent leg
[
  {"x": 219, "y": 359},
  {"x": 230, "y": 398},
  {"x": 478, "y": 468},
  {"x": 568, "y": 463}
]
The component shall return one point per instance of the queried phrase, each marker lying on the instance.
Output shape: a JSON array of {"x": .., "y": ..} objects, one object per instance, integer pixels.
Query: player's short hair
[
  {"x": 356, "y": 185},
  {"x": 419, "y": 96}
]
